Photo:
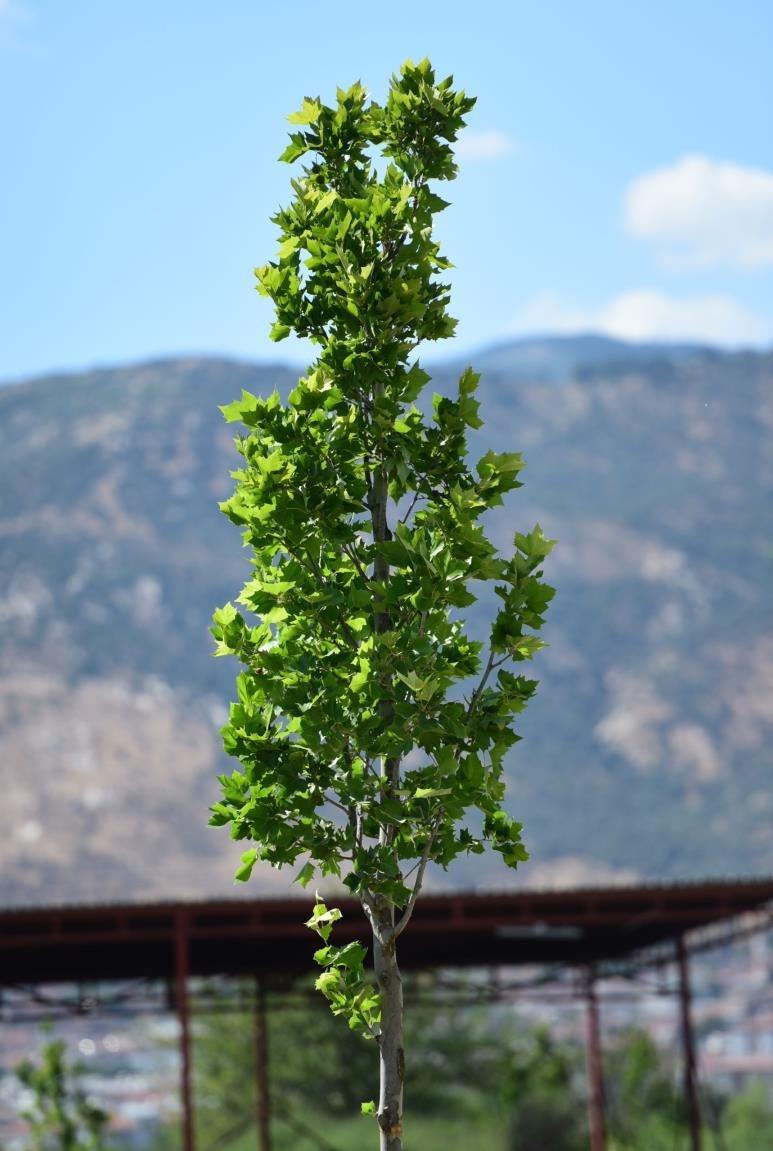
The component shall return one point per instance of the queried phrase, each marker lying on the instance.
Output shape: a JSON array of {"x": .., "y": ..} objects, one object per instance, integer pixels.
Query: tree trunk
[{"x": 390, "y": 1042}]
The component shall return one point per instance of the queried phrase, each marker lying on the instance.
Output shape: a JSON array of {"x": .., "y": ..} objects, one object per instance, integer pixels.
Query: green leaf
[
  {"x": 357, "y": 623},
  {"x": 325, "y": 201},
  {"x": 322, "y": 919},
  {"x": 502, "y": 463},
  {"x": 308, "y": 113},
  {"x": 275, "y": 615},
  {"x": 288, "y": 246},
  {"x": 368, "y": 1108},
  {"x": 351, "y": 956},
  {"x": 358, "y": 681},
  {"x": 244, "y": 872},
  {"x": 296, "y": 148},
  {"x": 240, "y": 408},
  {"x": 225, "y": 615},
  {"x": 305, "y": 875},
  {"x": 328, "y": 982},
  {"x": 274, "y": 462}
]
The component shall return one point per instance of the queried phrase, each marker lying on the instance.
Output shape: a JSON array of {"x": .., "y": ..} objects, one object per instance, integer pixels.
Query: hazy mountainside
[
  {"x": 556, "y": 359},
  {"x": 648, "y": 748}
]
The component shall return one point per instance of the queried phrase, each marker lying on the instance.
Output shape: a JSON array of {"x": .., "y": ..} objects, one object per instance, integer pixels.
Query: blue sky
[{"x": 617, "y": 174}]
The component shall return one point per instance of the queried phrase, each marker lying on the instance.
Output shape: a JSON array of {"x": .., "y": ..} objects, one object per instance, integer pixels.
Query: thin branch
[
  {"x": 335, "y": 803},
  {"x": 369, "y": 907},
  {"x": 411, "y": 870},
  {"x": 416, "y": 497},
  {"x": 369, "y": 765},
  {"x": 419, "y": 478},
  {"x": 404, "y": 919},
  {"x": 481, "y": 684},
  {"x": 351, "y": 553},
  {"x": 491, "y": 665}
]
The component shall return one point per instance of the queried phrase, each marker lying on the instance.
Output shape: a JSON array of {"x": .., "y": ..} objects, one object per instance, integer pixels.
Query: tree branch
[
  {"x": 491, "y": 665},
  {"x": 335, "y": 803},
  {"x": 417, "y": 496},
  {"x": 369, "y": 907},
  {"x": 355, "y": 818},
  {"x": 404, "y": 919},
  {"x": 349, "y": 551},
  {"x": 481, "y": 684}
]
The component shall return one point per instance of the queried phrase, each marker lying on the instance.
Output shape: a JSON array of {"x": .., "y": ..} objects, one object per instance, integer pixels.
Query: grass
[{"x": 315, "y": 1133}]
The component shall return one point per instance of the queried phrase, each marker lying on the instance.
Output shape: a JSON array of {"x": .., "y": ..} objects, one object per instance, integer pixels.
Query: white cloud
[
  {"x": 645, "y": 314},
  {"x": 703, "y": 213},
  {"x": 548, "y": 313},
  {"x": 483, "y": 145}
]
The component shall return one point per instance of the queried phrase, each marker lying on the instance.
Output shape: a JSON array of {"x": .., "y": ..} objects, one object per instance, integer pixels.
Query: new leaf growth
[{"x": 368, "y": 725}]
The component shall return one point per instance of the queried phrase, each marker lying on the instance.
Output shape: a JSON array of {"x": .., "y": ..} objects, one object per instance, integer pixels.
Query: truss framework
[{"x": 133, "y": 958}]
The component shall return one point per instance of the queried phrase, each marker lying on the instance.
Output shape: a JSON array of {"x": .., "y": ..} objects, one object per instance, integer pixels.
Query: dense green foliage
[
  {"x": 748, "y": 1119},
  {"x": 371, "y": 730},
  {"x": 59, "y": 1115}
]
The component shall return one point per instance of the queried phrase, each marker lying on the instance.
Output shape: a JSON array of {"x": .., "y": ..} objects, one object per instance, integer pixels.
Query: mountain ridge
[
  {"x": 645, "y": 752},
  {"x": 561, "y": 352}
]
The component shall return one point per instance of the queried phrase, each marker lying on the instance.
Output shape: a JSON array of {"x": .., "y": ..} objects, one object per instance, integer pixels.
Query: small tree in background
[
  {"x": 59, "y": 1114},
  {"x": 368, "y": 725}
]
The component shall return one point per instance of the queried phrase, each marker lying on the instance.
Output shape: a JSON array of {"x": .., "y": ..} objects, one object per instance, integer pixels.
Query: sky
[{"x": 616, "y": 174}]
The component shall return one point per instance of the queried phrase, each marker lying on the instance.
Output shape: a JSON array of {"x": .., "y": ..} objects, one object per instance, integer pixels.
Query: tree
[
  {"x": 644, "y": 1108},
  {"x": 540, "y": 1086},
  {"x": 361, "y": 754},
  {"x": 748, "y": 1118},
  {"x": 59, "y": 1114}
]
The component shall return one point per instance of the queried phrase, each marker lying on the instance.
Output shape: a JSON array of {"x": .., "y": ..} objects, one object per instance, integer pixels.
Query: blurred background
[{"x": 612, "y": 235}]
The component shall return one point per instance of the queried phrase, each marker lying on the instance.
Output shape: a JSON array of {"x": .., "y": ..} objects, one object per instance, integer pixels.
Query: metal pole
[
  {"x": 181, "y": 987},
  {"x": 262, "y": 1097},
  {"x": 595, "y": 1070},
  {"x": 688, "y": 1047}
]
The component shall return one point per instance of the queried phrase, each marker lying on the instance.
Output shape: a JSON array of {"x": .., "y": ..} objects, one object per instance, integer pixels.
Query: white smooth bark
[{"x": 390, "y": 1041}]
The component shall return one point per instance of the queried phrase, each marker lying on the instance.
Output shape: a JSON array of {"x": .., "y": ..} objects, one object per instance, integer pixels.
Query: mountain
[
  {"x": 647, "y": 751},
  {"x": 559, "y": 358}
]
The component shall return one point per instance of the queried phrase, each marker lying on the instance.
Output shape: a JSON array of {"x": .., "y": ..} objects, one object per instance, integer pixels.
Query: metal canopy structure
[
  {"x": 262, "y": 936},
  {"x": 587, "y": 929}
]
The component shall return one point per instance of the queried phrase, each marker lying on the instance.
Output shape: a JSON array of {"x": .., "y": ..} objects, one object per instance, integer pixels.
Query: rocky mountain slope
[{"x": 648, "y": 748}]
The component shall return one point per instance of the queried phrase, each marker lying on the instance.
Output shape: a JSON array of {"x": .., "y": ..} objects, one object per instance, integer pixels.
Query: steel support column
[
  {"x": 262, "y": 1097},
  {"x": 594, "y": 1066},
  {"x": 688, "y": 1048},
  {"x": 181, "y": 996}
]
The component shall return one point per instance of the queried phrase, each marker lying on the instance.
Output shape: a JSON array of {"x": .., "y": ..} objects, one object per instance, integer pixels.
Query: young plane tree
[{"x": 370, "y": 728}]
